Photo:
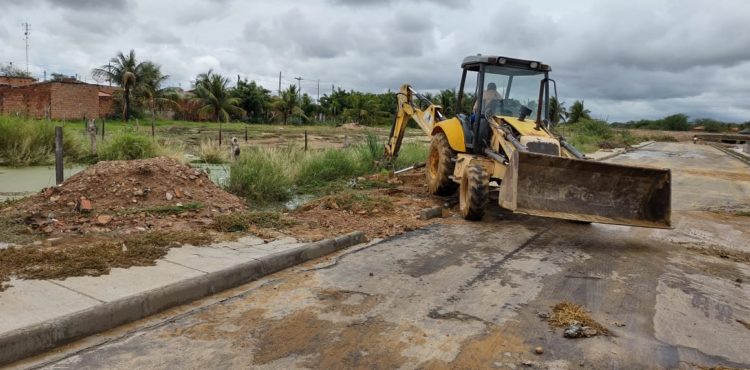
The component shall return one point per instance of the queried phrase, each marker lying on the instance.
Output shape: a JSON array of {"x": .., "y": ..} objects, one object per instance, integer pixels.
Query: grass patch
[
  {"x": 412, "y": 153},
  {"x": 27, "y": 142},
  {"x": 263, "y": 175},
  {"x": 92, "y": 258},
  {"x": 13, "y": 230},
  {"x": 591, "y": 135},
  {"x": 565, "y": 314},
  {"x": 210, "y": 152},
  {"x": 330, "y": 165},
  {"x": 128, "y": 146},
  {"x": 242, "y": 221}
]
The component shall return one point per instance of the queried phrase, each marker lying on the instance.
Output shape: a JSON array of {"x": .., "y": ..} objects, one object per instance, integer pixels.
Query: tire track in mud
[{"x": 494, "y": 268}]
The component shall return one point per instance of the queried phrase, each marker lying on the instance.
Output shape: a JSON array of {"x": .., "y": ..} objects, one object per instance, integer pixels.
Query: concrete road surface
[{"x": 468, "y": 295}]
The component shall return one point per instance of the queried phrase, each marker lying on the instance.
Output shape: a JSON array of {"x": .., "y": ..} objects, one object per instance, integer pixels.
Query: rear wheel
[
  {"x": 440, "y": 166},
  {"x": 474, "y": 193}
]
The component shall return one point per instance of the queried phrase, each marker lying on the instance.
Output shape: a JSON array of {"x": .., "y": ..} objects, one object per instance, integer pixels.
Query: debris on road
[{"x": 575, "y": 320}]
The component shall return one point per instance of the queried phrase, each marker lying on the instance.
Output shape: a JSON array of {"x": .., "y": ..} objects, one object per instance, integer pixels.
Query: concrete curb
[{"x": 25, "y": 342}]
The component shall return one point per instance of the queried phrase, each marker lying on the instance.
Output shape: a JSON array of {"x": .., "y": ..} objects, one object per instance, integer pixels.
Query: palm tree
[
  {"x": 151, "y": 91},
  {"x": 362, "y": 108},
  {"x": 123, "y": 70},
  {"x": 212, "y": 92},
  {"x": 557, "y": 110},
  {"x": 578, "y": 112},
  {"x": 288, "y": 104}
]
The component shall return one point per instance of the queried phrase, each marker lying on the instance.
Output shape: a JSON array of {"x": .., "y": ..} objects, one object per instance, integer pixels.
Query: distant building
[{"x": 55, "y": 99}]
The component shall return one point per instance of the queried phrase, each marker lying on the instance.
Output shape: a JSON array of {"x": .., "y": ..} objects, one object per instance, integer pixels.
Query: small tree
[
  {"x": 288, "y": 104},
  {"x": 11, "y": 71}
]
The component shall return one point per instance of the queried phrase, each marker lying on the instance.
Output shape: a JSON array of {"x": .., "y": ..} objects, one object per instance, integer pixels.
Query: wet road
[{"x": 467, "y": 295}]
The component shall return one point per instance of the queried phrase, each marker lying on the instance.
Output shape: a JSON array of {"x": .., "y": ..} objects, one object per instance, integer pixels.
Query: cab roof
[{"x": 472, "y": 63}]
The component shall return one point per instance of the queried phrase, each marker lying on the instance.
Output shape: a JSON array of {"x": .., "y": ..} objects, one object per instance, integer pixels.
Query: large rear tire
[
  {"x": 474, "y": 193},
  {"x": 440, "y": 166}
]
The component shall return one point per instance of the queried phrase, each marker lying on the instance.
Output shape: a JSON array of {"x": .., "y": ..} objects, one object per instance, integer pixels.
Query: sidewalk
[{"x": 37, "y": 315}]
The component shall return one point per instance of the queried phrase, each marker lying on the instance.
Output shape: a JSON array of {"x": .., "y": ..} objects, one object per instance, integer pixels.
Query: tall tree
[
  {"x": 254, "y": 99},
  {"x": 578, "y": 112},
  {"x": 150, "y": 89},
  {"x": 124, "y": 71},
  {"x": 288, "y": 104},
  {"x": 362, "y": 108},
  {"x": 557, "y": 110},
  {"x": 212, "y": 91}
]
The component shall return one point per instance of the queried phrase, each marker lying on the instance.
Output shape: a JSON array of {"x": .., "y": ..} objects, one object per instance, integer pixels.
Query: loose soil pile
[
  {"x": 113, "y": 214},
  {"x": 129, "y": 196},
  {"x": 379, "y": 213}
]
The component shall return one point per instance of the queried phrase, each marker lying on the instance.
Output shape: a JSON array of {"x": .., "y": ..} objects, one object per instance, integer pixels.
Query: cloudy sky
[{"x": 628, "y": 59}]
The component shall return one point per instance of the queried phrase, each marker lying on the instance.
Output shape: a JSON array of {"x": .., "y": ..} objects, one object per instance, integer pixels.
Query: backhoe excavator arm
[{"x": 407, "y": 109}]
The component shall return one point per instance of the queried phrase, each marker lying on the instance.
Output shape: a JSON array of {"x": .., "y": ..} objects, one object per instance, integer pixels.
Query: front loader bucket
[{"x": 583, "y": 190}]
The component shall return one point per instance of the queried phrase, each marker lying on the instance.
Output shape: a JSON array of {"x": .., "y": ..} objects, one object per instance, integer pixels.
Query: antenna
[{"x": 26, "y": 29}]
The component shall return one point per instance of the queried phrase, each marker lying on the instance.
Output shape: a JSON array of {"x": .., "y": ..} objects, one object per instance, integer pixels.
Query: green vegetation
[
  {"x": 268, "y": 175},
  {"x": 25, "y": 142},
  {"x": 211, "y": 152},
  {"x": 264, "y": 175},
  {"x": 241, "y": 221},
  {"x": 128, "y": 146},
  {"x": 589, "y": 135}
]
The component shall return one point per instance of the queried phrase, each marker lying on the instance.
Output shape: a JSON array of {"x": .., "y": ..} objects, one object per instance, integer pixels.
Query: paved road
[{"x": 467, "y": 295}]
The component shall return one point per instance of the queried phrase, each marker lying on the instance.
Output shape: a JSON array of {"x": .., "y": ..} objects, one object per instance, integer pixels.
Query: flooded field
[{"x": 21, "y": 182}]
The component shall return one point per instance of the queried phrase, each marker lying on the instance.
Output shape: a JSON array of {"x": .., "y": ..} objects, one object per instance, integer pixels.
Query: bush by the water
[
  {"x": 27, "y": 142},
  {"x": 128, "y": 146},
  {"x": 211, "y": 152},
  {"x": 263, "y": 175}
]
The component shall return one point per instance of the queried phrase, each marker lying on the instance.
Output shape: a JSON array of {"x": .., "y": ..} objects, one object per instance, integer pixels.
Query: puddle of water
[
  {"x": 298, "y": 201},
  {"x": 218, "y": 173},
  {"x": 25, "y": 181}
]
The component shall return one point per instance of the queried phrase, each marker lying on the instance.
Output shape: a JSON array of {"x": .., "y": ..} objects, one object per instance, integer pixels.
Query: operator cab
[{"x": 500, "y": 86}]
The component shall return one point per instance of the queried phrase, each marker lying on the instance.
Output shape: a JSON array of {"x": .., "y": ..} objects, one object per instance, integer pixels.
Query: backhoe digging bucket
[{"x": 582, "y": 190}]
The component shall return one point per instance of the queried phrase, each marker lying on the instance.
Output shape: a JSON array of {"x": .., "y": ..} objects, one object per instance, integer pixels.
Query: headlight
[
  {"x": 500, "y": 60},
  {"x": 534, "y": 65}
]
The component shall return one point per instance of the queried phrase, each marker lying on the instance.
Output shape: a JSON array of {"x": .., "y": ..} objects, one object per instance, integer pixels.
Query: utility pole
[
  {"x": 279, "y": 83},
  {"x": 318, "y": 91},
  {"x": 299, "y": 86},
  {"x": 109, "y": 69},
  {"x": 26, "y": 27}
]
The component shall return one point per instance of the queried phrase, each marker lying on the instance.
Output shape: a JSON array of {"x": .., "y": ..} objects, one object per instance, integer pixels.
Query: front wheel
[
  {"x": 440, "y": 166},
  {"x": 474, "y": 193}
]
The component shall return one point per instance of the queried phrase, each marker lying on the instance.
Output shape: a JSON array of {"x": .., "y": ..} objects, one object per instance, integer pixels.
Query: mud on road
[{"x": 473, "y": 295}]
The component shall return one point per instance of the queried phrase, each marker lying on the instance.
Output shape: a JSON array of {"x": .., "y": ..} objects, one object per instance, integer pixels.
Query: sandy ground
[{"x": 463, "y": 295}]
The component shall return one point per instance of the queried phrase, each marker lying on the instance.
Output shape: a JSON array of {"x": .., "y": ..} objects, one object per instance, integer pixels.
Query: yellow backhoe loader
[{"x": 503, "y": 148}]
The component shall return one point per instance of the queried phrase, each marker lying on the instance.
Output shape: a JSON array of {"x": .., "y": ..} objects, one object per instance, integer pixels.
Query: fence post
[
  {"x": 58, "y": 155},
  {"x": 152, "y": 128},
  {"x": 305, "y": 140},
  {"x": 102, "y": 128},
  {"x": 219, "y": 133},
  {"x": 246, "y": 133}
]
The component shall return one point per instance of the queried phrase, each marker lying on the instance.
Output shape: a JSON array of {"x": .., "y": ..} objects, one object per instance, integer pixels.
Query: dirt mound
[{"x": 121, "y": 195}]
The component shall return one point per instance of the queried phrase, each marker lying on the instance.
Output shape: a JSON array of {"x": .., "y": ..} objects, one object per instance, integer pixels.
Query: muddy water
[{"x": 21, "y": 182}]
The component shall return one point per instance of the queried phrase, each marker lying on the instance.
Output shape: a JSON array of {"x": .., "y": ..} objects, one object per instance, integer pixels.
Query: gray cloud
[{"x": 629, "y": 59}]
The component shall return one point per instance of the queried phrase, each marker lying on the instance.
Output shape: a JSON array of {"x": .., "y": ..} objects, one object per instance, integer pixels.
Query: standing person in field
[{"x": 234, "y": 147}]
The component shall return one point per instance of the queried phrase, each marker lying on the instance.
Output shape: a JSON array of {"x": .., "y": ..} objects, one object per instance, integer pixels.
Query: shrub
[
  {"x": 330, "y": 165},
  {"x": 128, "y": 146},
  {"x": 211, "y": 152},
  {"x": 412, "y": 153},
  {"x": 262, "y": 175},
  {"x": 27, "y": 142}
]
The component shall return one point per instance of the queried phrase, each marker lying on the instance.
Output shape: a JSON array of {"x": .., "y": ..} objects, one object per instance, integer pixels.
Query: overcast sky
[{"x": 627, "y": 59}]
